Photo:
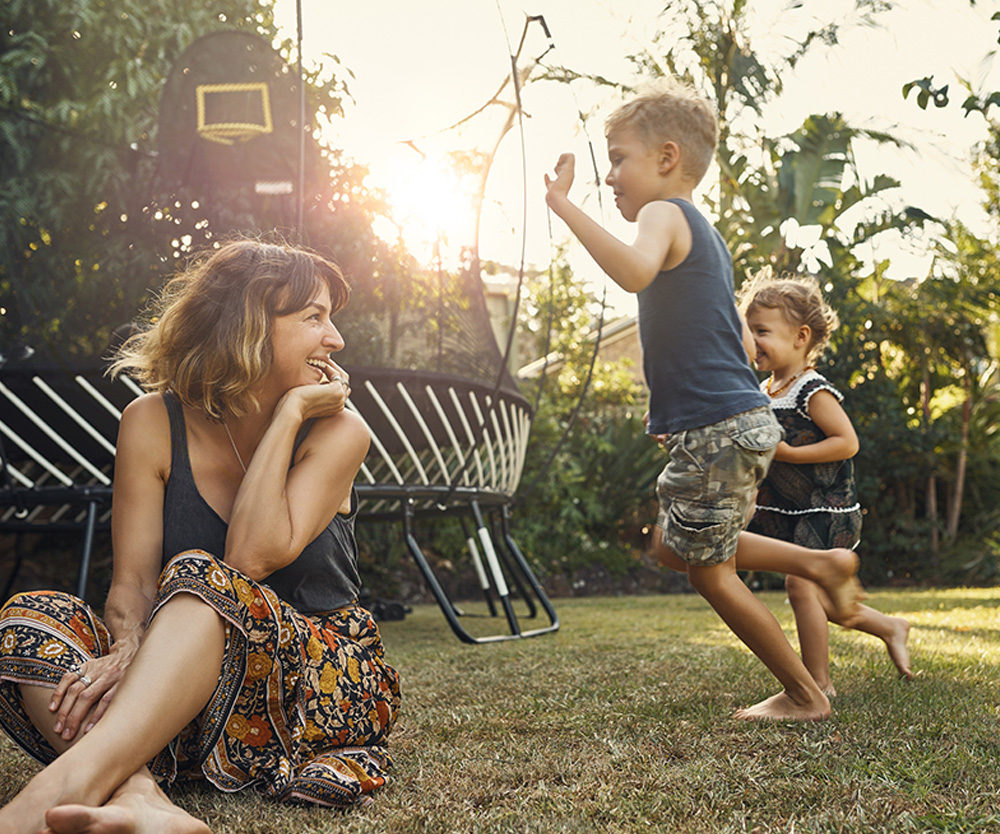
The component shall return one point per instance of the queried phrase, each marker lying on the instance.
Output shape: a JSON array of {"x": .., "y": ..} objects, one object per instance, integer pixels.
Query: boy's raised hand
[{"x": 564, "y": 172}]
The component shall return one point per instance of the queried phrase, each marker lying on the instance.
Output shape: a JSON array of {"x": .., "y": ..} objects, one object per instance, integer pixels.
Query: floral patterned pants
[{"x": 302, "y": 708}]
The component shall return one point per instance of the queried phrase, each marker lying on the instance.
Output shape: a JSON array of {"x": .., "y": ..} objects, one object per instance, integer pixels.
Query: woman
[{"x": 232, "y": 647}]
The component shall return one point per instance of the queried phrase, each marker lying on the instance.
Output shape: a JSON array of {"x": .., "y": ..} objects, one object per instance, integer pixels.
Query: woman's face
[{"x": 302, "y": 342}]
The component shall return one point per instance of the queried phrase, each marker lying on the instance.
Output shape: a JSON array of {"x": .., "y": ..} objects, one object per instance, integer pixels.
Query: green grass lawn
[{"x": 621, "y": 722}]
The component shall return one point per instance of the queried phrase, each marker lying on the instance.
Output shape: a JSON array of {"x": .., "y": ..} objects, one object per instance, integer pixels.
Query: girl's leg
[
  {"x": 814, "y": 633},
  {"x": 169, "y": 682},
  {"x": 754, "y": 624},
  {"x": 893, "y": 631}
]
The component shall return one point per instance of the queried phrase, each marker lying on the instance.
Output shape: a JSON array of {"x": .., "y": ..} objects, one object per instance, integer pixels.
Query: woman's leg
[{"x": 169, "y": 682}]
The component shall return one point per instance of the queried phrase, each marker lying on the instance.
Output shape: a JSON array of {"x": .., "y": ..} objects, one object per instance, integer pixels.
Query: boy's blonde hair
[
  {"x": 799, "y": 300},
  {"x": 209, "y": 338},
  {"x": 672, "y": 112}
]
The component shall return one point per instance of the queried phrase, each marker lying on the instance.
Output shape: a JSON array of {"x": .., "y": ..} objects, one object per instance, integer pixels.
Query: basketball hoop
[{"x": 231, "y": 113}]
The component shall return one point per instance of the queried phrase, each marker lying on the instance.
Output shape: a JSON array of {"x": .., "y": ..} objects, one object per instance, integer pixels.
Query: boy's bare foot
[
  {"x": 137, "y": 807},
  {"x": 896, "y": 643},
  {"x": 781, "y": 707},
  {"x": 839, "y": 580}
]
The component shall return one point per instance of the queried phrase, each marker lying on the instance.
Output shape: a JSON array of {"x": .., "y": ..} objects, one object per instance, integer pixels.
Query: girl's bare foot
[
  {"x": 781, "y": 707},
  {"x": 839, "y": 580},
  {"x": 896, "y": 643},
  {"x": 827, "y": 689},
  {"x": 137, "y": 807}
]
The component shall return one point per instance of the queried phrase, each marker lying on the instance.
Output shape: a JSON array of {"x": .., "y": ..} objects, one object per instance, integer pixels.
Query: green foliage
[
  {"x": 78, "y": 107},
  {"x": 586, "y": 493},
  {"x": 87, "y": 226},
  {"x": 926, "y": 92}
]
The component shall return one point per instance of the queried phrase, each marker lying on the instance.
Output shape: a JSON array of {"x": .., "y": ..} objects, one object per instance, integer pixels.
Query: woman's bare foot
[
  {"x": 781, "y": 707},
  {"x": 896, "y": 643},
  {"x": 838, "y": 577},
  {"x": 137, "y": 807}
]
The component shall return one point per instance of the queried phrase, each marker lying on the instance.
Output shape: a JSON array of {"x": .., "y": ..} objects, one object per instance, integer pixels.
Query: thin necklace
[
  {"x": 239, "y": 457},
  {"x": 771, "y": 380}
]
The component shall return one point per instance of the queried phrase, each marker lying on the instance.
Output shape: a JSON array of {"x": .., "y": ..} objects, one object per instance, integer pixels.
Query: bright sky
[{"x": 422, "y": 66}]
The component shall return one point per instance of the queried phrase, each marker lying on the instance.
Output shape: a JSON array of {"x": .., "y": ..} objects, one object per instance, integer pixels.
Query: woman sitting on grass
[{"x": 232, "y": 646}]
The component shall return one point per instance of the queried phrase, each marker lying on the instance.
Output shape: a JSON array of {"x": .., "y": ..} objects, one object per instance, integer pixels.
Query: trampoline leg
[
  {"x": 443, "y": 601},
  {"x": 525, "y": 568},
  {"x": 88, "y": 546},
  {"x": 499, "y": 582},
  {"x": 477, "y": 563},
  {"x": 513, "y": 570},
  {"x": 494, "y": 573}
]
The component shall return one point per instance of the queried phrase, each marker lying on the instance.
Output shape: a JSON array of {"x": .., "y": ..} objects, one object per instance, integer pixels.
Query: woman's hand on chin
[{"x": 321, "y": 399}]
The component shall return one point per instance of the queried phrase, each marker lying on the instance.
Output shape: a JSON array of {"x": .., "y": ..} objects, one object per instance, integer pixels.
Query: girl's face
[
  {"x": 302, "y": 342},
  {"x": 780, "y": 344}
]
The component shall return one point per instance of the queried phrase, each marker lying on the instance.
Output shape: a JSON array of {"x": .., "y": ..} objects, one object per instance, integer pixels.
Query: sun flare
[{"x": 432, "y": 206}]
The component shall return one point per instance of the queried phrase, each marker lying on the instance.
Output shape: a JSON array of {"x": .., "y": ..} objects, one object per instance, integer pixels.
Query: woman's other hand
[{"x": 82, "y": 696}]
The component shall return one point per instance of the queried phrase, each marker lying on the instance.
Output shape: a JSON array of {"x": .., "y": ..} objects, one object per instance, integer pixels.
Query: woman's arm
[
  {"x": 142, "y": 462},
  {"x": 279, "y": 510},
  {"x": 840, "y": 443}
]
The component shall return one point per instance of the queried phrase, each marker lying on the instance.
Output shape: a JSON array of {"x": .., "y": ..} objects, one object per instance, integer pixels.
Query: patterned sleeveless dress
[{"x": 811, "y": 504}]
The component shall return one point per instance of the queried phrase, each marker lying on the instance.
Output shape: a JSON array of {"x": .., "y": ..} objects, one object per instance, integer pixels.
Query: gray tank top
[
  {"x": 692, "y": 347},
  {"x": 323, "y": 577}
]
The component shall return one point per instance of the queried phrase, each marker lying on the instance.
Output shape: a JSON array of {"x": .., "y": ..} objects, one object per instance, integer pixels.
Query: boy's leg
[
  {"x": 833, "y": 570},
  {"x": 811, "y": 625},
  {"x": 753, "y": 623}
]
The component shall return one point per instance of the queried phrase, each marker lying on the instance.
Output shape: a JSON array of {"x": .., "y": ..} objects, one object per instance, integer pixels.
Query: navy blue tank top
[
  {"x": 322, "y": 578},
  {"x": 696, "y": 367}
]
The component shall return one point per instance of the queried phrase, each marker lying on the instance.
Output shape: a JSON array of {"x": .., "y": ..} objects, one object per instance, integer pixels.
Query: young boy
[{"x": 717, "y": 426}]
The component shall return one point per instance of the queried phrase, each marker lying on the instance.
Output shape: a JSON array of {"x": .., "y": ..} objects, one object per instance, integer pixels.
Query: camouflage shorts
[{"x": 709, "y": 483}]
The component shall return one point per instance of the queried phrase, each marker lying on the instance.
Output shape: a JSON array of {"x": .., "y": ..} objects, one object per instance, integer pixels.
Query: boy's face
[{"x": 635, "y": 174}]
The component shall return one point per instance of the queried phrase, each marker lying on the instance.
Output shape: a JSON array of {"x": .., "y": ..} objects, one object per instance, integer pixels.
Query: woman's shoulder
[
  {"x": 146, "y": 407},
  {"x": 144, "y": 432},
  {"x": 145, "y": 422}
]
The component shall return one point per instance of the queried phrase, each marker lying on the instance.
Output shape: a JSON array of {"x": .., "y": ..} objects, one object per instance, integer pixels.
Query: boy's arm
[
  {"x": 840, "y": 443},
  {"x": 633, "y": 267},
  {"x": 749, "y": 345}
]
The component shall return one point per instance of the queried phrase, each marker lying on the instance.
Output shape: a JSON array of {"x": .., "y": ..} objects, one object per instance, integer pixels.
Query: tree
[{"x": 85, "y": 229}]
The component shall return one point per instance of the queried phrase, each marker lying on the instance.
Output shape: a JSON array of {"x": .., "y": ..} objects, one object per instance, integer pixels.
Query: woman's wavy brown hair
[{"x": 209, "y": 333}]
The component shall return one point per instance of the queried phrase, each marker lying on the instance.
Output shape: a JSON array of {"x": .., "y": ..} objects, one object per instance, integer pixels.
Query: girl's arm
[
  {"x": 840, "y": 443},
  {"x": 279, "y": 510},
  {"x": 142, "y": 462}
]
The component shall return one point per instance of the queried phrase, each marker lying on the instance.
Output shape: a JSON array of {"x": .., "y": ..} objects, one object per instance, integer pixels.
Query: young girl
[{"x": 809, "y": 496}]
